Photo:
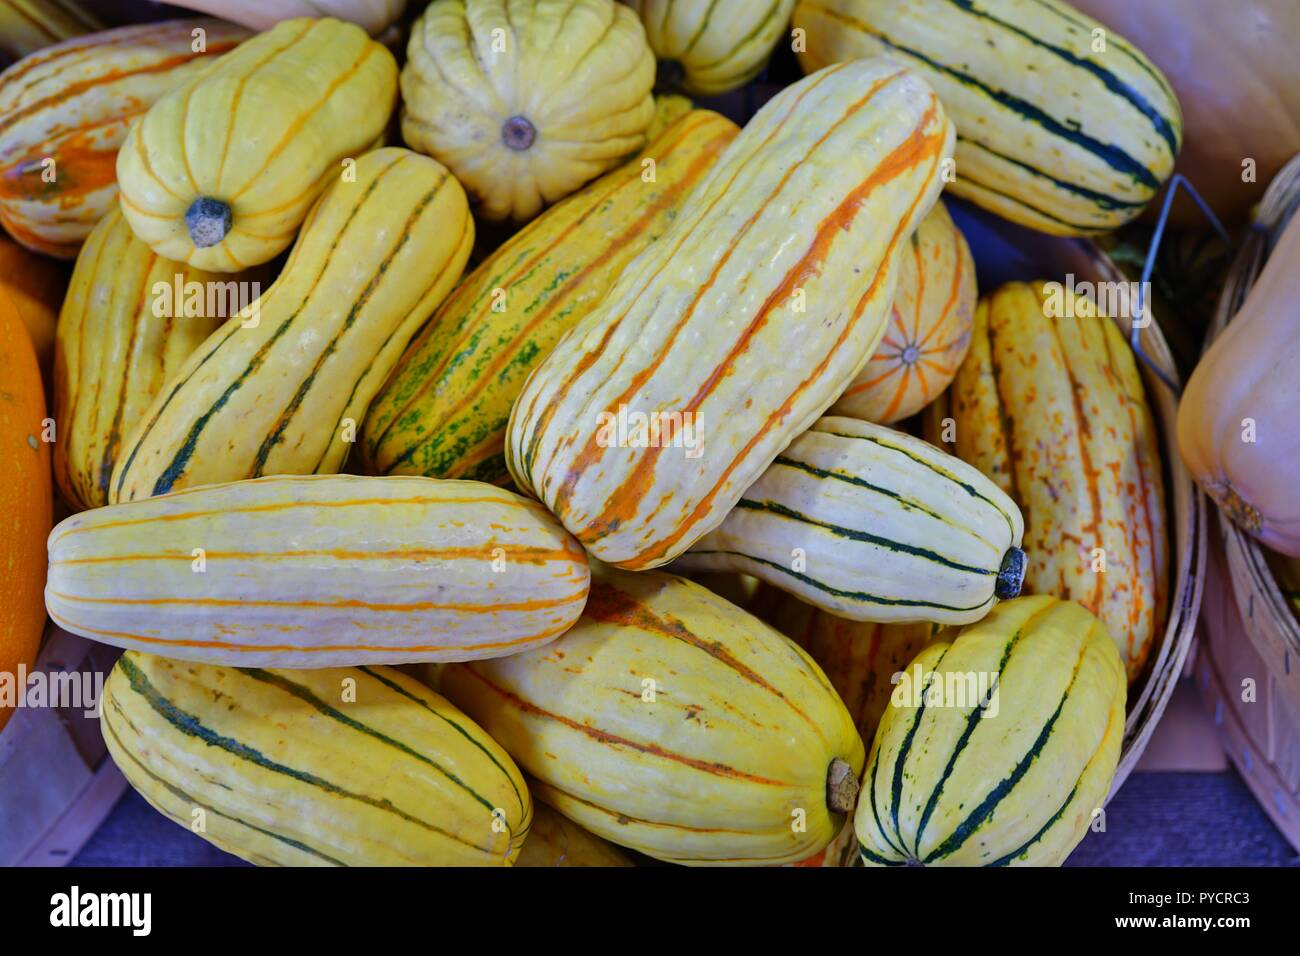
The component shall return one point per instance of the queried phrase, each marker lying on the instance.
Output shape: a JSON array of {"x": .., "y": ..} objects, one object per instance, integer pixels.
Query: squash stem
[
  {"x": 208, "y": 221},
  {"x": 1011, "y": 575},
  {"x": 518, "y": 134},
  {"x": 841, "y": 786}
]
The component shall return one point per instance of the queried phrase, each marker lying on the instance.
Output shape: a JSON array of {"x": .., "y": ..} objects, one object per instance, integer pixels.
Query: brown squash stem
[{"x": 841, "y": 786}]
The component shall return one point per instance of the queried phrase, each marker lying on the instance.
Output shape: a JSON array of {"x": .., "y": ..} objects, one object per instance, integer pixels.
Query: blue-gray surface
[{"x": 1157, "y": 819}]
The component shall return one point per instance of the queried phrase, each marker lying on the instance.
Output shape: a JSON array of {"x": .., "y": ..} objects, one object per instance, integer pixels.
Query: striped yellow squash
[
  {"x": 999, "y": 745},
  {"x": 669, "y": 108},
  {"x": 777, "y": 270},
  {"x": 672, "y": 722},
  {"x": 65, "y": 111},
  {"x": 444, "y": 411},
  {"x": 1062, "y": 125},
  {"x": 318, "y": 572},
  {"x": 30, "y": 25},
  {"x": 221, "y": 171},
  {"x": 872, "y": 524},
  {"x": 282, "y": 387},
  {"x": 713, "y": 47},
  {"x": 346, "y": 766},
  {"x": 118, "y": 342},
  {"x": 555, "y": 840},
  {"x": 1049, "y": 404},
  {"x": 929, "y": 327},
  {"x": 526, "y": 100}
]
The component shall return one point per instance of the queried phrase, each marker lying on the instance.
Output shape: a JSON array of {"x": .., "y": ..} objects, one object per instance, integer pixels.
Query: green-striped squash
[
  {"x": 444, "y": 411},
  {"x": 778, "y": 271},
  {"x": 672, "y": 722},
  {"x": 282, "y": 387},
  {"x": 1062, "y": 125},
  {"x": 347, "y": 766},
  {"x": 872, "y": 524},
  {"x": 998, "y": 746},
  {"x": 318, "y": 572}
]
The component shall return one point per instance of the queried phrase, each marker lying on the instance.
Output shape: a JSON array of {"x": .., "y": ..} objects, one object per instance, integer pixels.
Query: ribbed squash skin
[
  {"x": 574, "y": 76},
  {"x": 776, "y": 269},
  {"x": 319, "y": 572},
  {"x": 264, "y": 132},
  {"x": 717, "y": 46},
  {"x": 555, "y": 840},
  {"x": 287, "y": 395},
  {"x": 1051, "y": 133},
  {"x": 929, "y": 327},
  {"x": 741, "y": 732},
  {"x": 114, "y": 353},
  {"x": 955, "y": 785},
  {"x": 73, "y": 103},
  {"x": 444, "y": 411},
  {"x": 669, "y": 108},
  {"x": 30, "y": 25},
  {"x": 373, "y": 16},
  {"x": 872, "y": 524},
  {"x": 1053, "y": 410},
  {"x": 347, "y": 766},
  {"x": 35, "y": 285}
]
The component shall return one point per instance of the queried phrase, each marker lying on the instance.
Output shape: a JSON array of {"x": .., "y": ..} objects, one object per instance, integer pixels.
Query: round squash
[
  {"x": 526, "y": 101},
  {"x": 929, "y": 327},
  {"x": 35, "y": 285},
  {"x": 221, "y": 172},
  {"x": 1236, "y": 421},
  {"x": 373, "y": 16},
  {"x": 997, "y": 746},
  {"x": 25, "y": 496},
  {"x": 712, "y": 48},
  {"x": 1238, "y": 80}
]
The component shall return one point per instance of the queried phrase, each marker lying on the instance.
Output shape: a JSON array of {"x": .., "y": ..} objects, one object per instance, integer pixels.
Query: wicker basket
[
  {"x": 1265, "y": 614},
  {"x": 1004, "y": 253}
]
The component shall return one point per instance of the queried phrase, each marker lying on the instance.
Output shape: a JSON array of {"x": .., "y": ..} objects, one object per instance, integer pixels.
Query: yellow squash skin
[
  {"x": 319, "y": 572},
  {"x": 73, "y": 104},
  {"x": 444, "y": 411},
  {"x": 929, "y": 327},
  {"x": 776, "y": 270},
  {"x": 30, "y": 25},
  {"x": 1053, "y": 410},
  {"x": 716, "y": 46},
  {"x": 346, "y": 766},
  {"x": 259, "y": 137},
  {"x": 526, "y": 100},
  {"x": 114, "y": 353},
  {"x": 872, "y": 524},
  {"x": 669, "y": 721},
  {"x": 555, "y": 840},
  {"x": 283, "y": 389},
  {"x": 1004, "y": 774},
  {"x": 1053, "y": 132}
]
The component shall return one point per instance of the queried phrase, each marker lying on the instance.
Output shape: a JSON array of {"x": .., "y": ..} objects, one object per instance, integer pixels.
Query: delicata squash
[
  {"x": 220, "y": 172},
  {"x": 777, "y": 270},
  {"x": 526, "y": 100}
]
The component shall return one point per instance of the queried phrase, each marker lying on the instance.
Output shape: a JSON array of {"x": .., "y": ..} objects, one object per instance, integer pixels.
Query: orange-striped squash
[
  {"x": 319, "y": 571},
  {"x": 30, "y": 25},
  {"x": 1050, "y": 405},
  {"x": 35, "y": 284},
  {"x": 929, "y": 327},
  {"x": 777, "y": 271},
  {"x": 25, "y": 495},
  {"x": 444, "y": 411},
  {"x": 65, "y": 111},
  {"x": 119, "y": 341}
]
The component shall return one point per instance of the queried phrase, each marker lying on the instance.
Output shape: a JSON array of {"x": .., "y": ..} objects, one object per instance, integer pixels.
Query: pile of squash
[{"x": 420, "y": 532}]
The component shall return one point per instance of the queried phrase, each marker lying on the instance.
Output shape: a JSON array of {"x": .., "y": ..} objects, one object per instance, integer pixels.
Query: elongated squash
[
  {"x": 282, "y": 387},
  {"x": 714, "y": 47},
  {"x": 929, "y": 327},
  {"x": 221, "y": 171},
  {"x": 373, "y": 16},
  {"x": 318, "y": 572},
  {"x": 672, "y": 722},
  {"x": 35, "y": 285},
  {"x": 1050, "y": 406},
  {"x": 30, "y": 25},
  {"x": 555, "y": 840},
  {"x": 1062, "y": 125},
  {"x": 872, "y": 524},
  {"x": 444, "y": 411},
  {"x": 120, "y": 339},
  {"x": 65, "y": 111},
  {"x": 346, "y": 766},
  {"x": 526, "y": 100},
  {"x": 999, "y": 745},
  {"x": 777, "y": 270}
]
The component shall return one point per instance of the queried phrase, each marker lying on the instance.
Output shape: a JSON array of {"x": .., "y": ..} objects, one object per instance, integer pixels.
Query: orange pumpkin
[
  {"x": 1236, "y": 421},
  {"x": 36, "y": 286},
  {"x": 26, "y": 495},
  {"x": 929, "y": 327}
]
